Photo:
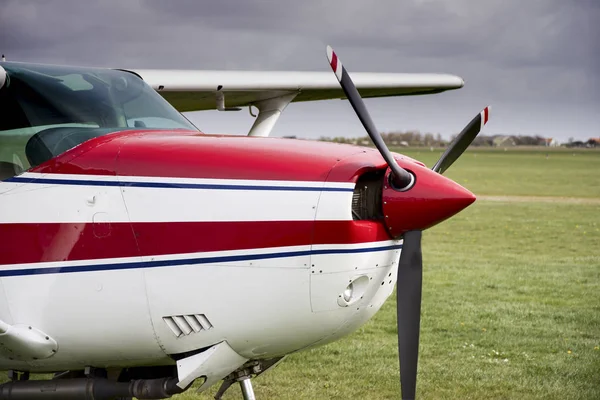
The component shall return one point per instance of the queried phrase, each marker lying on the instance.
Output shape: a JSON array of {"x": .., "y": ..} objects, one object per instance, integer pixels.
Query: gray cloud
[{"x": 532, "y": 54}]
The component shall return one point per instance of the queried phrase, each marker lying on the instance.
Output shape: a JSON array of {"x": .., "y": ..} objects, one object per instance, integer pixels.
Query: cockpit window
[{"x": 46, "y": 110}]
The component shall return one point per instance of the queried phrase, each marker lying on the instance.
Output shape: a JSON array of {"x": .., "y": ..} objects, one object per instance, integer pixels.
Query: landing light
[
  {"x": 348, "y": 292},
  {"x": 354, "y": 291},
  {"x": 2, "y": 77}
]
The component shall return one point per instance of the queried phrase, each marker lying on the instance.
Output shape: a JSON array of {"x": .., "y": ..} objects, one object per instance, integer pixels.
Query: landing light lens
[{"x": 348, "y": 292}]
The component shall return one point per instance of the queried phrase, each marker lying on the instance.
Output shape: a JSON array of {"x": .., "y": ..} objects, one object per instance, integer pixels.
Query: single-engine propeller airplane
[{"x": 139, "y": 255}]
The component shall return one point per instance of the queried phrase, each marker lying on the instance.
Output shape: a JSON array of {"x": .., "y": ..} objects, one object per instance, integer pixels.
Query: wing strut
[{"x": 269, "y": 111}]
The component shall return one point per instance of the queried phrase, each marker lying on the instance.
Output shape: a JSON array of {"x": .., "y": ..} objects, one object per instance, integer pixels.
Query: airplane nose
[{"x": 433, "y": 199}]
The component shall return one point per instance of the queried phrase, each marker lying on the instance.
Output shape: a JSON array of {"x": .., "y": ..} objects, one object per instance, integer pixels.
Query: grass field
[
  {"x": 511, "y": 297},
  {"x": 523, "y": 172}
]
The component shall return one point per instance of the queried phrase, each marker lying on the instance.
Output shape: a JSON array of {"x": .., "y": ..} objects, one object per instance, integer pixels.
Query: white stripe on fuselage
[{"x": 72, "y": 200}]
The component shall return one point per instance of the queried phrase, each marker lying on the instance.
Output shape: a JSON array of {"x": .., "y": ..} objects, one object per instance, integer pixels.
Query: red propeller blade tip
[
  {"x": 485, "y": 115},
  {"x": 335, "y": 63}
]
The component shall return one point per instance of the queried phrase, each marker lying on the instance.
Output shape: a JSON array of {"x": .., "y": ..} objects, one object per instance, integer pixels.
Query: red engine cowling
[{"x": 433, "y": 199}]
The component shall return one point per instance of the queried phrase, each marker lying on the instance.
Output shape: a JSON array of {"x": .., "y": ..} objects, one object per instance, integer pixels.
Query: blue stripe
[
  {"x": 83, "y": 182},
  {"x": 188, "y": 261}
]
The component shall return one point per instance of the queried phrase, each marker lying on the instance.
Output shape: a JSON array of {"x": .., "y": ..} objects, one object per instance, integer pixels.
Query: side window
[
  {"x": 13, "y": 136},
  {"x": 47, "y": 110},
  {"x": 12, "y": 152},
  {"x": 24, "y": 113}
]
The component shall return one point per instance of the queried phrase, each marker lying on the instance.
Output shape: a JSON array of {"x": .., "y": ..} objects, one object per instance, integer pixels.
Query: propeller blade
[
  {"x": 462, "y": 141},
  {"x": 408, "y": 297},
  {"x": 403, "y": 180}
]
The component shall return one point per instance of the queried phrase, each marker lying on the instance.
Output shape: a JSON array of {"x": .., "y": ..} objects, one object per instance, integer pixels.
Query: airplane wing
[{"x": 194, "y": 90}]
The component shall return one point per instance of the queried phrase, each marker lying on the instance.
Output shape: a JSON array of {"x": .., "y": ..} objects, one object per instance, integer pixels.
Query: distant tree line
[
  {"x": 592, "y": 142},
  {"x": 418, "y": 139},
  {"x": 409, "y": 138},
  {"x": 512, "y": 140}
]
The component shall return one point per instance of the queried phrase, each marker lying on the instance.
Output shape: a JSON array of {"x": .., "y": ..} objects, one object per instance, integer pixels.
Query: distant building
[
  {"x": 551, "y": 142},
  {"x": 593, "y": 142},
  {"x": 504, "y": 141}
]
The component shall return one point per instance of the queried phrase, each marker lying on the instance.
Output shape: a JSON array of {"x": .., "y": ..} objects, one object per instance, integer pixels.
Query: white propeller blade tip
[
  {"x": 485, "y": 116},
  {"x": 335, "y": 63},
  {"x": 329, "y": 53}
]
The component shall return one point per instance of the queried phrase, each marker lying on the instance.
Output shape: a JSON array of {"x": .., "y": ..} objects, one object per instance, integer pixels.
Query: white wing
[{"x": 192, "y": 90}]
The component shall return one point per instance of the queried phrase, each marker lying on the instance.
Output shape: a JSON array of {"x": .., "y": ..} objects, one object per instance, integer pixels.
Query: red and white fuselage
[
  {"x": 108, "y": 247},
  {"x": 136, "y": 246}
]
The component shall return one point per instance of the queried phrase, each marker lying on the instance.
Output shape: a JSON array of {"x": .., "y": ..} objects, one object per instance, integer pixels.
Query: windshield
[{"x": 46, "y": 110}]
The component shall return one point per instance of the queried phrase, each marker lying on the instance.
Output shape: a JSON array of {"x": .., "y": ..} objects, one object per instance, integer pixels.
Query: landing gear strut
[
  {"x": 243, "y": 376},
  {"x": 247, "y": 390}
]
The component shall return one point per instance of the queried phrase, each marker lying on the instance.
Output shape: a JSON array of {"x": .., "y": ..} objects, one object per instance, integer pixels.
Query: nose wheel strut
[
  {"x": 243, "y": 376},
  {"x": 247, "y": 390},
  {"x": 245, "y": 385}
]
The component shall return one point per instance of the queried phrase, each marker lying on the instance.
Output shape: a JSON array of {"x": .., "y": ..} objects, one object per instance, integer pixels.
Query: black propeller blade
[
  {"x": 462, "y": 141},
  {"x": 410, "y": 268},
  {"x": 402, "y": 179},
  {"x": 410, "y": 265},
  {"x": 408, "y": 297}
]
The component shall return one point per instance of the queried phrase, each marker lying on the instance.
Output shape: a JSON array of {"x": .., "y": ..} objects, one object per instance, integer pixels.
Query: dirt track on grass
[{"x": 540, "y": 199}]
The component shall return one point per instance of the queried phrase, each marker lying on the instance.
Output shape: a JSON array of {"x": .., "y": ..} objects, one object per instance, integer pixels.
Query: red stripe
[
  {"x": 29, "y": 243},
  {"x": 485, "y": 115},
  {"x": 334, "y": 61}
]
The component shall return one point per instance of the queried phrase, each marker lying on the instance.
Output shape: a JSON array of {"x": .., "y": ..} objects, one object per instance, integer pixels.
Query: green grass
[
  {"x": 511, "y": 297},
  {"x": 529, "y": 172}
]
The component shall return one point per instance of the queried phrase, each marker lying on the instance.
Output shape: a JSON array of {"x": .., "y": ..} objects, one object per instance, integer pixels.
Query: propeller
[
  {"x": 462, "y": 141},
  {"x": 402, "y": 179},
  {"x": 410, "y": 265},
  {"x": 408, "y": 310}
]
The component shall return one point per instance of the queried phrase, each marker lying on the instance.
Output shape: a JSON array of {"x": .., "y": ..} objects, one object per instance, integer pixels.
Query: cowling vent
[
  {"x": 366, "y": 199},
  {"x": 184, "y": 325}
]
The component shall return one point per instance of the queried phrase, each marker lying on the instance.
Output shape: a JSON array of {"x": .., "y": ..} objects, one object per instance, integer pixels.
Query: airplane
[{"x": 139, "y": 255}]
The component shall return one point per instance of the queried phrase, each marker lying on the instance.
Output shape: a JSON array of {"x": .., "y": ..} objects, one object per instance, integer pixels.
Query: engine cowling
[{"x": 433, "y": 199}]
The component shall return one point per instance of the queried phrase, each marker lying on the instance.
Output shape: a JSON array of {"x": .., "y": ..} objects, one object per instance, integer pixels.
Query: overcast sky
[{"x": 537, "y": 62}]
